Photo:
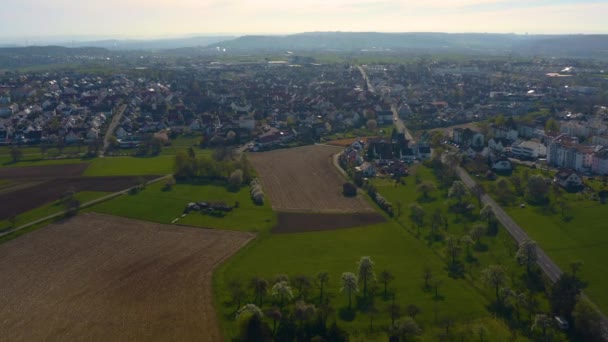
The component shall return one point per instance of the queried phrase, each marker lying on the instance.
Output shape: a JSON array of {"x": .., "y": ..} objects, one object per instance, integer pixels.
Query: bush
[
  {"x": 236, "y": 179},
  {"x": 349, "y": 189},
  {"x": 257, "y": 195}
]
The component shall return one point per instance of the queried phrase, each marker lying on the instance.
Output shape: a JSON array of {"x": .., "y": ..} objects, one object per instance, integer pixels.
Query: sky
[{"x": 38, "y": 19}]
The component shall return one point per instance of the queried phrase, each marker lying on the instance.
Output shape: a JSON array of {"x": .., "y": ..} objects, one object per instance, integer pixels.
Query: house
[
  {"x": 504, "y": 132},
  {"x": 600, "y": 162},
  {"x": 528, "y": 149},
  {"x": 247, "y": 122},
  {"x": 568, "y": 179},
  {"x": 502, "y": 165},
  {"x": 366, "y": 169}
]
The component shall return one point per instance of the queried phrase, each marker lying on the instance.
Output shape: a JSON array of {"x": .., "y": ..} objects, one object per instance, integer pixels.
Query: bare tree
[
  {"x": 527, "y": 254},
  {"x": 366, "y": 272},
  {"x": 349, "y": 285}
]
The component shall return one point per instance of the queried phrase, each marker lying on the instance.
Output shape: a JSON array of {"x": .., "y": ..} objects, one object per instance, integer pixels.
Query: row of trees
[{"x": 220, "y": 166}]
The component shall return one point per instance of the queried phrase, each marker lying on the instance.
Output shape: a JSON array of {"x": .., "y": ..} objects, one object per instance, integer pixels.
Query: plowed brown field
[
  {"x": 304, "y": 179},
  {"x": 104, "y": 278}
]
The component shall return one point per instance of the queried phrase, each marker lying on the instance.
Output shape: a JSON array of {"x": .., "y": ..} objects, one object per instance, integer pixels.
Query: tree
[
  {"x": 253, "y": 328},
  {"x": 282, "y": 291},
  {"x": 349, "y": 285},
  {"x": 587, "y": 321},
  {"x": 478, "y": 190},
  {"x": 453, "y": 249},
  {"x": 575, "y": 266},
  {"x": 303, "y": 311},
  {"x": 394, "y": 310},
  {"x": 371, "y": 124},
  {"x": 527, "y": 254},
  {"x": 517, "y": 184},
  {"x": 406, "y": 329},
  {"x": 458, "y": 191},
  {"x": 503, "y": 190},
  {"x": 425, "y": 188},
  {"x": 487, "y": 214},
  {"x": 481, "y": 331},
  {"x": 366, "y": 272},
  {"x": 275, "y": 314},
  {"x": 436, "y": 283},
  {"x": 537, "y": 189},
  {"x": 260, "y": 287},
  {"x": 236, "y": 292},
  {"x": 551, "y": 126},
  {"x": 417, "y": 214},
  {"x": 413, "y": 310},
  {"x": 303, "y": 284},
  {"x": 542, "y": 322},
  {"x": 349, "y": 189},
  {"x": 495, "y": 276},
  {"x": 427, "y": 275},
  {"x": 386, "y": 277},
  {"x": 16, "y": 154},
  {"x": 322, "y": 280},
  {"x": 236, "y": 179},
  {"x": 467, "y": 241},
  {"x": 564, "y": 294}
]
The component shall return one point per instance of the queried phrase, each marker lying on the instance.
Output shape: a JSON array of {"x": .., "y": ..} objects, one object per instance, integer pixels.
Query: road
[
  {"x": 399, "y": 124},
  {"x": 112, "y": 127},
  {"x": 544, "y": 262},
  {"x": 366, "y": 79}
]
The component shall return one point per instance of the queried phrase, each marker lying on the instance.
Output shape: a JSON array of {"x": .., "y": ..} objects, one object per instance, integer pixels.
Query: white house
[
  {"x": 528, "y": 149},
  {"x": 367, "y": 169},
  {"x": 568, "y": 179}
]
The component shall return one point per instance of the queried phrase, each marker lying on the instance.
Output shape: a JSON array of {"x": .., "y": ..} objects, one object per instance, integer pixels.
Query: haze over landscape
[{"x": 40, "y": 21}]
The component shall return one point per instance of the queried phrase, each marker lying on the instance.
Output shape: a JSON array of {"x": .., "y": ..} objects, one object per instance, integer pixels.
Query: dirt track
[
  {"x": 304, "y": 179},
  {"x": 104, "y": 278}
]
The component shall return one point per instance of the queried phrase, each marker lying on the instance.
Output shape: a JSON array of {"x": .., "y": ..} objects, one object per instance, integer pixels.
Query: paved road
[
  {"x": 546, "y": 264},
  {"x": 366, "y": 79},
  {"x": 400, "y": 125},
  {"x": 112, "y": 127}
]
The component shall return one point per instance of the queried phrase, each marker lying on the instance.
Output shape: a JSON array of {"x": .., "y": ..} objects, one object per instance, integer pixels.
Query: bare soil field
[
  {"x": 47, "y": 171},
  {"x": 304, "y": 179},
  {"x": 104, "y": 278},
  {"x": 309, "y": 222},
  {"x": 22, "y": 199}
]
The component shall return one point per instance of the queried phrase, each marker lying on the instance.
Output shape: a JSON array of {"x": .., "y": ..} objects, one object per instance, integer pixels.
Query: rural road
[
  {"x": 112, "y": 127},
  {"x": 84, "y": 205},
  {"x": 544, "y": 261}
]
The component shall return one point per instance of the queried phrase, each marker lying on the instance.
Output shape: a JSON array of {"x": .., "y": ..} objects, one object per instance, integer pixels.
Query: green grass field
[
  {"x": 390, "y": 247},
  {"x": 153, "y": 204},
  {"x": 130, "y": 166}
]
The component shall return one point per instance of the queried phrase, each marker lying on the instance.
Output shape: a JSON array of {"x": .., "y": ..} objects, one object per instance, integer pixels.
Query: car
[{"x": 561, "y": 322}]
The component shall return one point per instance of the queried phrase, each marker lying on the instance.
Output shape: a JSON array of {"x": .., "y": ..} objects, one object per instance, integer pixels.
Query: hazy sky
[{"x": 154, "y": 18}]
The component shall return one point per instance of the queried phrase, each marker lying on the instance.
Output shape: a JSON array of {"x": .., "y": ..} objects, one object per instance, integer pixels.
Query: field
[
  {"x": 98, "y": 277},
  {"x": 304, "y": 179},
  {"x": 306, "y": 222},
  {"x": 153, "y": 204},
  {"x": 130, "y": 166}
]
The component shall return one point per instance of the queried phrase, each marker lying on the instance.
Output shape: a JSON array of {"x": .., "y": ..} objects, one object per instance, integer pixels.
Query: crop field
[
  {"x": 304, "y": 179},
  {"x": 306, "y": 222},
  {"x": 98, "y": 277},
  {"x": 47, "y": 171}
]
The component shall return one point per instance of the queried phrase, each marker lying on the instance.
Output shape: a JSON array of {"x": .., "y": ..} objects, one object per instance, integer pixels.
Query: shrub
[
  {"x": 257, "y": 195},
  {"x": 349, "y": 189}
]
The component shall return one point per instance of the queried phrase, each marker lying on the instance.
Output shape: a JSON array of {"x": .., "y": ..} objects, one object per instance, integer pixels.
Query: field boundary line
[{"x": 84, "y": 205}]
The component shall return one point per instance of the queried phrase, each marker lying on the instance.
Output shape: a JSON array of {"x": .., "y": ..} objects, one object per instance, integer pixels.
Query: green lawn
[
  {"x": 391, "y": 248},
  {"x": 130, "y": 166},
  {"x": 153, "y": 204},
  {"x": 50, "y": 209},
  {"x": 583, "y": 238},
  {"x": 6, "y": 161}
]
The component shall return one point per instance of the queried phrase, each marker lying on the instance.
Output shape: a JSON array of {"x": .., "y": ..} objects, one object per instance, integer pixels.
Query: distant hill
[
  {"x": 154, "y": 44},
  {"x": 562, "y": 45},
  {"x": 53, "y": 51}
]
